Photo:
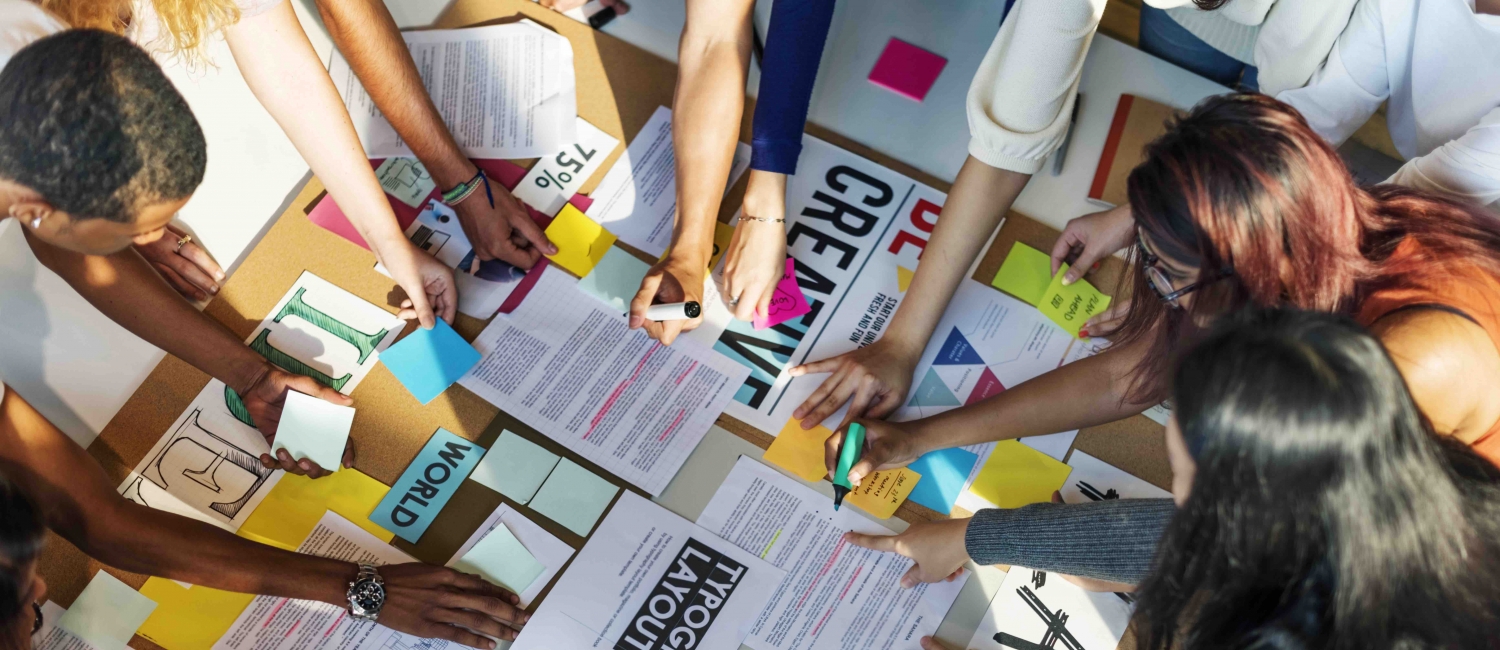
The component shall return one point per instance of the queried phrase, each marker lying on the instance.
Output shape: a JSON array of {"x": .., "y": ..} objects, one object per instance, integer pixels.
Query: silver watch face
[{"x": 366, "y": 597}]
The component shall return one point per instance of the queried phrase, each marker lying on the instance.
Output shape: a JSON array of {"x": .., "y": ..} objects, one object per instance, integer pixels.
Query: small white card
[
  {"x": 406, "y": 179},
  {"x": 314, "y": 429},
  {"x": 556, "y": 178}
]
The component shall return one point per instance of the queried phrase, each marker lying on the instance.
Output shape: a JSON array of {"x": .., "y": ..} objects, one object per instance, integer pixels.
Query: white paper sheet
[
  {"x": 1095, "y": 480},
  {"x": 650, "y": 579},
  {"x": 552, "y": 552},
  {"x": 207, "y": 464},
  {"x": 53, "y": 637},
  {"x": 438, "y": 231},
  {"x": 272, "y": 623},
  {"x": 637, "y": 200},
  {"x": 836, "y": 596},
  {"x": 505, "y": 91},
  {"x": 1042, "y": 609},
  {"x": 554, "y": 179},
  {"x": 567, "y": 365}
]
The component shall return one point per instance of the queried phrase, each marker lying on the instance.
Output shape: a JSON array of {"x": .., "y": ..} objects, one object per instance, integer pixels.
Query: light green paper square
[
  {"x": 1073, "y": 305},
  {"x": 107, "y": 613},
  {"x": 1026, "y": 273},
  {"x": 515, "y": 467},
  {"x": 574, "y": 497},
  {"x": 502, "y": 559},
  {"x": 615, "y": 279},
  {"x": 314, "y": 429}
]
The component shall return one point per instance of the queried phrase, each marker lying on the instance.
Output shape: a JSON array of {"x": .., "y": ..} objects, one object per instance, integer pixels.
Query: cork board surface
[{"x": 619, "y": 87}]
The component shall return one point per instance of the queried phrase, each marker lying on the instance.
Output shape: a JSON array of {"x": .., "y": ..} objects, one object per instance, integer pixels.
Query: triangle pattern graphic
[
  {"x": 956, "y": 351},
  {"x": 988, "y": 385},
  {"x": 903, "y": 278},
  {"x": 933, "y": 392}
]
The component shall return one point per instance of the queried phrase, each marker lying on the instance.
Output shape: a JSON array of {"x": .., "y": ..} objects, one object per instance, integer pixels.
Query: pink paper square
[
  {"x": 906, "y": 69},
  {"x": 787, "y": 303},
  {"x": 582, "y": 201}
]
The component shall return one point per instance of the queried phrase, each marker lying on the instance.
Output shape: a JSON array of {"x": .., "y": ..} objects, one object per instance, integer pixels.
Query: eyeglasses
[
  {"x": 37, "y": 626},
  {"x": 1158, "y": 280}
]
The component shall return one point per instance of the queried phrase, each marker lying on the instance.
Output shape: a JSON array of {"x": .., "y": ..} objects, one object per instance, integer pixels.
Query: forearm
[
  {"x": 980, "y": 197},
  {"x": 707, "y": 108},
  {"x": 125, "y": 288},
  {"x": 1105, "y": 540},
  {"x": 366, "y": 34}
]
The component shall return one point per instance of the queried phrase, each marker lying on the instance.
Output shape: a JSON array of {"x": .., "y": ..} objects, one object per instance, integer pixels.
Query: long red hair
[{"x": 1242, "y": 188}]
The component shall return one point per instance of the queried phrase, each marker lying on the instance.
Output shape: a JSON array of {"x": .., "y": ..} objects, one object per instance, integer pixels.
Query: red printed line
[
  {"x": 340, "y": 619},
  {"x": 274, "y": 612},
  {"x": 685, "y": 372},
  {"x": 615, "y": 395},
  {"x": 832, "y": 557},
  {"x": 842, "y": 594},
  {"x": 672, "y": 427}
]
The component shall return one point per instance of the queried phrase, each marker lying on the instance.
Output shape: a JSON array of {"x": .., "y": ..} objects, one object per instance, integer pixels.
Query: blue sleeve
[{"x": 794, "y": 47}]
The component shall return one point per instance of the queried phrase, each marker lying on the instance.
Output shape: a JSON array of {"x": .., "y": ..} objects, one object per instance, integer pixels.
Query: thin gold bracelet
[{"x": 763, "y": 219}]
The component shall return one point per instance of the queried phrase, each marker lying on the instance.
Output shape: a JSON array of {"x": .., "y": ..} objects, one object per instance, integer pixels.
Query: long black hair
[
  {"x": 1324, "y": 512},
  {"x": 21, "y": 536}
]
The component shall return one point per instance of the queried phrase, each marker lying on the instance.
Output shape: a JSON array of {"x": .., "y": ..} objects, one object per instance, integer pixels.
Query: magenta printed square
[{"x": 906, "y": 69}]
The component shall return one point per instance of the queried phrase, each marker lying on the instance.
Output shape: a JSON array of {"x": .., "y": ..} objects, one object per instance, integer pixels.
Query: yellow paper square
[
  {"x": 881, "y": 493},
  {"x": 581, "y": 242},
  {"x": 190, "y": 619},
  {"x": 1017, "y": 475},
  {"x": 292, "y": 508},
  {"x": 1073, "y": 305},
  {"x": 1026, "y": 273},
  {"x": 800, "y": 451},
  {"x": 723, "y": 235}
]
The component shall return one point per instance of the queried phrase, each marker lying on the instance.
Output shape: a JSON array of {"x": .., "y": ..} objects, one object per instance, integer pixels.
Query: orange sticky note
[
  {"x": 581, "y": 242},
  {"x": 800, "y": 451},
  {"x": 1017, "y": 475},
  {"x": 881, "y": 493}
]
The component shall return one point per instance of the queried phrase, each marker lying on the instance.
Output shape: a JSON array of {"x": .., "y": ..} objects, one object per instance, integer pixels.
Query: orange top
[{"x": 1466, "y": 289}]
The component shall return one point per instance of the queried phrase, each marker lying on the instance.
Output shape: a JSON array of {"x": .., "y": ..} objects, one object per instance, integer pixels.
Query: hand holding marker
[
  {"x": 673, "y": 311},
  {"x": 854, "y": 442}
]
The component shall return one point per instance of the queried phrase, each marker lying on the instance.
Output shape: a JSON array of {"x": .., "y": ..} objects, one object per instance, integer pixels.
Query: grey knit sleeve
[{"x": 1108, "y": 540}]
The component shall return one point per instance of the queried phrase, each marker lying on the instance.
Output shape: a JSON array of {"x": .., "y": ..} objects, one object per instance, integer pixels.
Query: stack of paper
[
  {"x": 107, "y": 613},
  {"x": 523, "y": 553}
]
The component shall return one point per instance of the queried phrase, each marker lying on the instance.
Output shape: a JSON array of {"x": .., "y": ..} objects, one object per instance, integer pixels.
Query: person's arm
[
  {"x": 80, "y": 504},
  {"x": 1294, "y": 40},
  {"x": 1113, "y": 540},
  {"x": 1467, "y": 167},
  {"x": 712, "y": 58},
  {"x": 1451, "y": 366},
  {"x": 366, "y": 34},
  {"x": 284, "y": 73},
  {"x": 1352, "y": 83},
  {"x": 756, "y": 257},
  {"x": 1018, "y": 107},
  {"x": 124, "y": 288}
]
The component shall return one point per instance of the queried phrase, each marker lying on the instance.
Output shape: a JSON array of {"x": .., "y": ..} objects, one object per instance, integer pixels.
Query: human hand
[
  {"x": 936, "y": 548},
  {"x": 670, "y": 280},
  {"x": 1104, "y": 323},
  {"x": 435, "y": 602},
  {"x": 188, "y": 268},
  {"x": 1090, "y": 238},
  {"x": 265, "y": 398},
  {"x": 887, "y": 445},
  {"x": 504, "y": 231},
  {"x": 877, "y": 376},
  {"x": 756, "y": 258},
  {"x": 620, "y": 6},
  {"x": 429, "y": 285},
  {"x": 930, "y": 643}
]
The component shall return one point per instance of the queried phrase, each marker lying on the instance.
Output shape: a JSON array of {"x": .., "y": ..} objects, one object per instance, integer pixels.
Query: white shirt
[
  {"x": 1437, "y": 62},
  {"x": 22, "y": 22}
]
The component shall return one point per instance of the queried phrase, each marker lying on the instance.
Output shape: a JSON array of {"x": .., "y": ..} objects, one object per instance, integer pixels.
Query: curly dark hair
[
  {"x": 89, "y": 121},
  {"x": 21, "y": 535}
]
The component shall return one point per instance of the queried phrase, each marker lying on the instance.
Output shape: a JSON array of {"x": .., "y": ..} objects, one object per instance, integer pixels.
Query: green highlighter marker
[{"x": 854, "y": 442}]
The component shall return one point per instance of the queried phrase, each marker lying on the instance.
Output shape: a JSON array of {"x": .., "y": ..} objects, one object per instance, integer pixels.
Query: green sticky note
[
  {"x": 502, "y": 559},
  {"x": 1073, "y": 305},
  {"x": 574, "y": 497},
  {"x": 1025, "y": 273},
  {"x": 107, "y": 613},
  {"x": 314, "y": 429},
  {"x": 515, "y": 467},
  {"x": 615, "y": 279}
]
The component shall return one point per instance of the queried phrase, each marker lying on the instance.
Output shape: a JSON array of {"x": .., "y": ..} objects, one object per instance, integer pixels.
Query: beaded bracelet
[{"x": 463, "y": 190}]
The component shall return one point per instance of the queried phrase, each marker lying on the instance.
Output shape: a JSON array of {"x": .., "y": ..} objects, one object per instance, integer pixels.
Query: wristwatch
[{"x": 366, "y": 594}]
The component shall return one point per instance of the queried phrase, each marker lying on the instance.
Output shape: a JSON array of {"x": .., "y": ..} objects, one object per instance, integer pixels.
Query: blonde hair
[{"x": 185, "y": 24}]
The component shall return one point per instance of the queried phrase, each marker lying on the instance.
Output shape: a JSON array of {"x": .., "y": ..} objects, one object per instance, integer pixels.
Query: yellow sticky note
[
  {"x": 1025, "y": 273},
  {"x": 1073, "y": 305},
  {"x": 723, "y": 235},
  {"x": 882, "y": 492},
  {"x": 1016, "y": 475},
  {"x": 800, "y": 452},
  {"x": 292, "y": 508},
  {"x": 190, "y": 619},
  {"x": 581, "y": 242}
]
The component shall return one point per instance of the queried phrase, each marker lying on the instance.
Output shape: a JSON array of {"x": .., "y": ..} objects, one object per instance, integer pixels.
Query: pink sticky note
[
  {"x": 906, "y": 69},
  {"x": 788, "y": 303},
  {"x": 582, "y": 202}
]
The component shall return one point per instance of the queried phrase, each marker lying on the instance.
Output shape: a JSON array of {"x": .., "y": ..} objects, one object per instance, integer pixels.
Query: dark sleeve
[
  {"x": 794, "y": 47},
  {"x": 1108, "y": 540}
]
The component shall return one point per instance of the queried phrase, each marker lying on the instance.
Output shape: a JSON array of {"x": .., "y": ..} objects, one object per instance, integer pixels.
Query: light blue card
[
  {"x": 515, "y": 467},
  {"x": 427, "y": 361},
  {"x": 426, "y": 485},
  {"x": 615, "y": 279},
  {"x": 943, "y": 474},
  {"x": 574, "y": 497},
  {"x": 107, "y": 613},
  {"x": 314, "y": 429},
  {"x": 502, "y": 559}
]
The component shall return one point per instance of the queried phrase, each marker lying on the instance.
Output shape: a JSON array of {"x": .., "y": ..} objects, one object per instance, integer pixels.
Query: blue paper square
[
  {"x": 427, "y": 361},
  {"x": 426, "y": 485},
  {"x": 943, "y": 474}
]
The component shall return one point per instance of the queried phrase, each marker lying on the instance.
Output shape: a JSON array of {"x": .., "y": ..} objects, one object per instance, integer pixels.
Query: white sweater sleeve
[
  {"x": 1468, "y": 167},
  {"x": 1352, "y": 83},
  {"x": 1295, "y": 39},
  {"x": 1022, "y": 95}
]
